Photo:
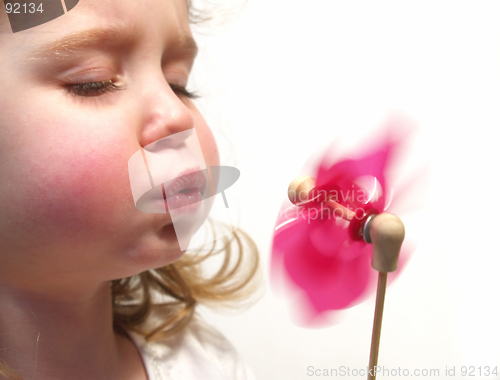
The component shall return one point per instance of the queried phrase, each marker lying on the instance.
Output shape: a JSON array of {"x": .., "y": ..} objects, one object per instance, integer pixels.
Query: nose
[{"x": 164, "y": 113}]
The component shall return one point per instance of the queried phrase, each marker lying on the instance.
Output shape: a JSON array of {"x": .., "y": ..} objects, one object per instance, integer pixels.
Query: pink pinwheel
[
  {"x": 320, "y": 247},
  {"x": 317, "y": 246},
  {"x": 322, "y": 238}
]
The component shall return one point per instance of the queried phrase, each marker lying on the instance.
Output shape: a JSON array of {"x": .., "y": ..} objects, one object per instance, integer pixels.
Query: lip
[
  {"x": 188, "y": 179},
  {"x": 158, "y": 199},
  {"x": 181, "y": 202}
]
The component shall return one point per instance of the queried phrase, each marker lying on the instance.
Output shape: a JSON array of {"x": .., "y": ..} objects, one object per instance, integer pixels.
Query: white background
[{"x": 282, "y": 78}]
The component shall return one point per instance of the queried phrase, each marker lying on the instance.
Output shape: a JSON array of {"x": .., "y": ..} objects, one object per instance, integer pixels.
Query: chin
[
  {"x": 159, "y": 249},
  {"x": 169, "y": 250}
]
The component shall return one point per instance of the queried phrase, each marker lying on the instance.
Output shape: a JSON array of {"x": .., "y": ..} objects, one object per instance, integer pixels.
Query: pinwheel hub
[{"x": 386, "y": 233}]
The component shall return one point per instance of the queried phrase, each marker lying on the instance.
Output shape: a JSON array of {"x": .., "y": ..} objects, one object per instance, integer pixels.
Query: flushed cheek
[{"x": 74, "y": 192}]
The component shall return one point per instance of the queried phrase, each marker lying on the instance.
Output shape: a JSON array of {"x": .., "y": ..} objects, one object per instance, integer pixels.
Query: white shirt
[{"x": 198, "y": 353}]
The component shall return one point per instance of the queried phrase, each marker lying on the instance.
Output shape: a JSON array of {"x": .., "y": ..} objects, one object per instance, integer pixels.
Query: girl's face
[{"x": 65, "y": 197}]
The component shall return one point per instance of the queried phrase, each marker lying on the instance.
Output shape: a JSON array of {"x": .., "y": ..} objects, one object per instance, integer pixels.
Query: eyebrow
[{"x": 101, "y": 38}]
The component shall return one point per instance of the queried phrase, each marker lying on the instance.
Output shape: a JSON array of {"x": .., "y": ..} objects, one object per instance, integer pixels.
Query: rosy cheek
[{"x": 76, "y": 189}]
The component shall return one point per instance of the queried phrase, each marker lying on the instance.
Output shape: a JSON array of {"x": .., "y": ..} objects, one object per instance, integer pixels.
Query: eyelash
[
  {"x": 183, "y": 92},
  {"x": 93, "y": 88},
  {"x": 107, "y": 86}
]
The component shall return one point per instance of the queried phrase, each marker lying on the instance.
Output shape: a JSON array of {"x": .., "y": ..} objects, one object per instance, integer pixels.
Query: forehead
[
  {"x": 171, "y": 11},
  {"x": 155, "y": 17}
]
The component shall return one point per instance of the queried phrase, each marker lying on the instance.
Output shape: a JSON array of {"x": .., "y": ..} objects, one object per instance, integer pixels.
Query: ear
[{"x": 28, "y": 14}]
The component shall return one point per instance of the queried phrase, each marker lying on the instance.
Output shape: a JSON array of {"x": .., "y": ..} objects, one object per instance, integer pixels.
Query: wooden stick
[
  {"x": 300, "y": 190},
  {"x": 386, "y": 233},
  {"x": 377, "y": 324},
  {"x": 340, "y": 210}
]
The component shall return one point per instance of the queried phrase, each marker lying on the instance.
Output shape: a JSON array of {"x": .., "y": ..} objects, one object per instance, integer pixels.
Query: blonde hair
[{"x": 183, "y": 285}]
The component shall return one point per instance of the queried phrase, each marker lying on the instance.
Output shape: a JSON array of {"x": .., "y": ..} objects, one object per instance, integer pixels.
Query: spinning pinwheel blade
[{"x": 334, "y": 234}]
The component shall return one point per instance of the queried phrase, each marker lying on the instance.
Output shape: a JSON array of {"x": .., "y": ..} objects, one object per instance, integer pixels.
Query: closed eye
[
  {"x": 182, "y": 91},
  {"x": 94, "y": 88},
  {"x": 107, "y": 86}
]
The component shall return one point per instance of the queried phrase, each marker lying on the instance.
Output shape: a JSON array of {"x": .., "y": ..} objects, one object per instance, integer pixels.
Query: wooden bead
[
  {"x": 387, "y": 233},
  {"x": 299, "y": 189}
]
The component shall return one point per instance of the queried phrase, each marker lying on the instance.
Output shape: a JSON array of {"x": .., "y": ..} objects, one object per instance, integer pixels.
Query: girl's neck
[{"x": 61, "y": 337}]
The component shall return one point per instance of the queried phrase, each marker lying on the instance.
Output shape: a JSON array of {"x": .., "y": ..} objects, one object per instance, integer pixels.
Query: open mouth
[
  {"x": 191, "y": 195},
  {"x": 180, "y": 195},
  {"x": 187, "y": 197}
]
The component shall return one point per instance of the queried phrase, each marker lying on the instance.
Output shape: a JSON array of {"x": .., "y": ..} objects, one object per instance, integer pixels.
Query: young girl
[{"x": 90, "y": 286}]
